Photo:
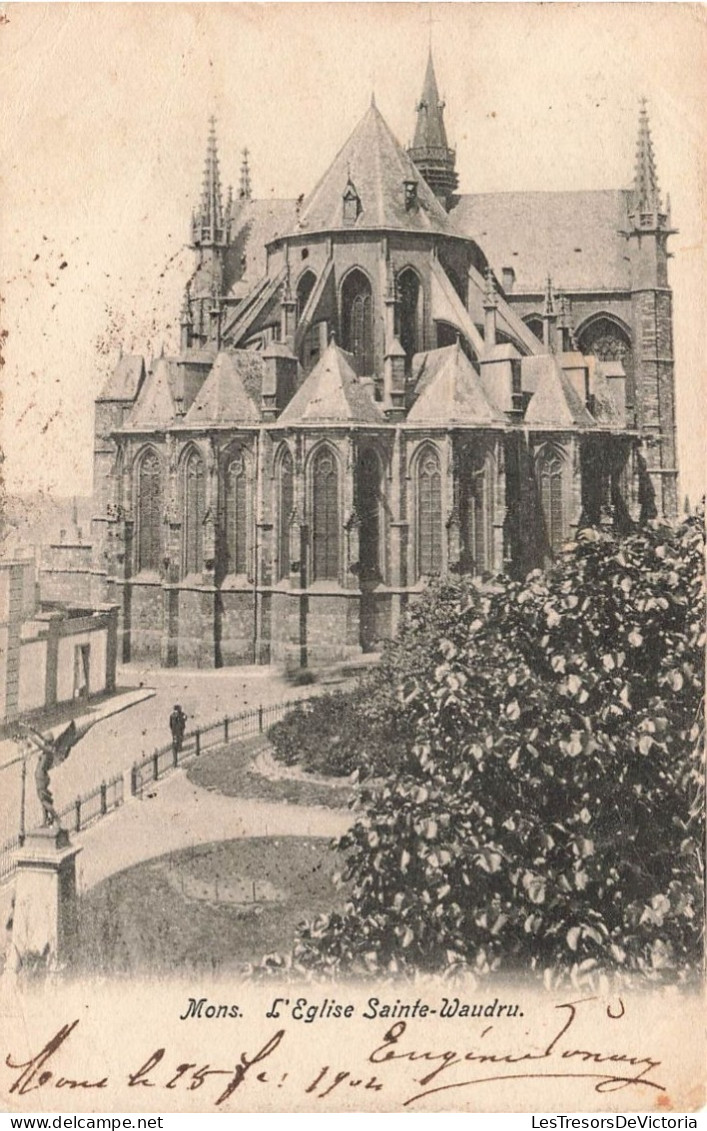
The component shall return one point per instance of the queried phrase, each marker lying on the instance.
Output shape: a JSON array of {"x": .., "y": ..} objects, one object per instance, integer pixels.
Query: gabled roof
[
  {"x": 332, "y": 394},
  {"x": 573, "y": 236},
  {"x": 448, "y": 390},
  {"x": 555, "y": 402},
  {"x": 125, "y": 382},
  {"x": 374, "y": 161},
  {"x": 156, "y": 403},
  {"x": 224, "y": 397}
]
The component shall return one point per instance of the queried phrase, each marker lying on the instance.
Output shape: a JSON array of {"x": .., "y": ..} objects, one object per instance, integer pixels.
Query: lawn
[
  {"x": 214, "y": 907},
  {"x": 228, "y": 770}
]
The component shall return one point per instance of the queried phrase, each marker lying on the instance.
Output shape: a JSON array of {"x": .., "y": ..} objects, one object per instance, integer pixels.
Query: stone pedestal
[{"x": 44, "y": 921}]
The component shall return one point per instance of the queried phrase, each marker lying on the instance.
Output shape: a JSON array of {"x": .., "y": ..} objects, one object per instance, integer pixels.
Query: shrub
[{"x": 549, "y": 811}]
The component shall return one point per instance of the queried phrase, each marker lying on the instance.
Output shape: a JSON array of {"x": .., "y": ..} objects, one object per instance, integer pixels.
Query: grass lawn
[
  {"x": 215, "y": 907},
  {"x": 228, "y": 770}
]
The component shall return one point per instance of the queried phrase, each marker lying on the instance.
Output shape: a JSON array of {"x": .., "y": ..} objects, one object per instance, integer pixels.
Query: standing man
[{"x": 177, "y": 725}]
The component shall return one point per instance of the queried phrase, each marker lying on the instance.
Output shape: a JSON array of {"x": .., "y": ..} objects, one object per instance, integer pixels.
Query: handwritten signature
[{"x": 397, "y": 1063}]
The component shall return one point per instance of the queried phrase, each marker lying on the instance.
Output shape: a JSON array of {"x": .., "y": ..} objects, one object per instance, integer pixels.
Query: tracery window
[
  {"x": 194, "y": 510},
  {"x": 326, "y": 524},
  {"x": 285, "y": 504},
  {"x": 357, "y": 320},
  {"x": 369, "y": 507},
  {"x": 475, "y": 512},
  {"x": 149, "y": 513},
  {"x": 409, "y": 295},
  {"x": 428, "y": 496},
  {"x": 549, "y": 473},
  {"x": 235, "y": 514}
]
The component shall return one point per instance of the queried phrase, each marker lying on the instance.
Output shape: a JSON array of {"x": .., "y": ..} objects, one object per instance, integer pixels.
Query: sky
[{"x": 104, "y": 119}]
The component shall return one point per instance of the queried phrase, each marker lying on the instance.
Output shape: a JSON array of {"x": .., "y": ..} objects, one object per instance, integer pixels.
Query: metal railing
[
  {"x": 247, "y": 724},
  {"x": 109, "y": 795}
]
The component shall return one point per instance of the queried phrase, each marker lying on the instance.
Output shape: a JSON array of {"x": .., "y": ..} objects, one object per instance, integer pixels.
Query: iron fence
[{"x": 109, "y": 795}]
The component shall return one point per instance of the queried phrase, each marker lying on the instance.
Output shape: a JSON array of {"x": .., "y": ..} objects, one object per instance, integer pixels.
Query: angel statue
[{"x": 53, "y": 751}]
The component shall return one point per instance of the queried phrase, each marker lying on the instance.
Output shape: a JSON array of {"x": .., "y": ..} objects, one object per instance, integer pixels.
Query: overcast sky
[{"x": 104, "y": 120}]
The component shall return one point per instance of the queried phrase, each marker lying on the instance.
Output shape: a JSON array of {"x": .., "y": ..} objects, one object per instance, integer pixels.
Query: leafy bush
[
  {"x": 547, "y": 811},
  {"x": 320, "y": 734}
]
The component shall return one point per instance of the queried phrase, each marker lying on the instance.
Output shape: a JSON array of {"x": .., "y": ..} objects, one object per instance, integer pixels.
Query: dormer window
[
  {"x": 352, "y": 203},
  {"x": 410, "y": 195}
]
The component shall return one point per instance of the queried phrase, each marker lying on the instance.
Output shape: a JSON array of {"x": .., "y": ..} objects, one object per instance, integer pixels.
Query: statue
[{"x": 53, "y": 751}]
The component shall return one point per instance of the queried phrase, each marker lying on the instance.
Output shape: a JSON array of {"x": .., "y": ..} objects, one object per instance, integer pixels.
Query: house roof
[
  {"x": 125, "y": 381},
  {"x": 374, "y": 162},
  {"x": 156, "y": 404},
  {"x": 575, "y": 237},
  {"x": 332, "y": 394},
  {"x": 226, "y": 396},
  {"x": 555, "y": 402},
  {"x": 448, "y": 390}
]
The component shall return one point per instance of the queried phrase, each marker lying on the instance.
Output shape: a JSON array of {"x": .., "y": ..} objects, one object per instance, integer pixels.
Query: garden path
[{"x": 176, "y": 814}]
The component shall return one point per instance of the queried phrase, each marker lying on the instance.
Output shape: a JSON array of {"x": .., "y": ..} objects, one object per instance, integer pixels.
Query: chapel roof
[
  {"x": 156, "y": 402},
  {"x": 555, "y": 402},
  {"x": 125, "y": 382},
  {"x": 226, "y": 396},
  {"x": 332, "y": 394},
  {"x": 448, "y": 390}
]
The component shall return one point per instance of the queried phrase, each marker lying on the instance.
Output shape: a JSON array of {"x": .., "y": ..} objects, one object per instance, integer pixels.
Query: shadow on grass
[{"x": 215, "y": 907}]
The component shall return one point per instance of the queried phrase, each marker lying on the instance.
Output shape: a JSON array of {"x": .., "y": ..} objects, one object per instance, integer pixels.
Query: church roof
[
  {"x": 332, "y": 394},
  {"x": 376, "y": 165},
  {"x": 155, "y": 405},
  {"x": 125, "y": 382},
  {"x": 573, "y": 236},
  {"x": 226, "y": 396},
  {"x": 448, "y": 390},
  {"x": 555, "y": 402},
  {"x": 257, "y": 223}
]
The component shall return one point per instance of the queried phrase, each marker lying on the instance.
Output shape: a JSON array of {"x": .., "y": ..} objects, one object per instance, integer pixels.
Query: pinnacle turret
[
  {"x": 244, "y": 192},
  {"x": 430, "y": 149},
  {"x": 647, "y": 207},
  {"x": 208, "y": 221}
]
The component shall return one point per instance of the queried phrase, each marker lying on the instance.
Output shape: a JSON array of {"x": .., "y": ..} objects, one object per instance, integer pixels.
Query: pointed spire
[
  {"x": 645, "y": 182},
  {"x": 207, "y": 222},
  {"x": 245, "y": 190},
  {"x": 430, "y": 149}
]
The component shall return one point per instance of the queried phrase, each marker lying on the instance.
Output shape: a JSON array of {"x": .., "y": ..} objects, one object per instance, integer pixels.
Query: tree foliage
[{"x": 545, "y": 805}]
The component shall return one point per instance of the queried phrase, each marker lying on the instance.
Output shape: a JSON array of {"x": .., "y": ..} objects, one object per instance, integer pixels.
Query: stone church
[{"x": 380, "y": 383}]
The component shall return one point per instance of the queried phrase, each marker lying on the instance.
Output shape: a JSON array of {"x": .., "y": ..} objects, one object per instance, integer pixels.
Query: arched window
[
  {"x": 326, "y": 525},
  {"x": 305, "y": 286},
  {"x": 194, "y": 509},
  {"x": 475, "y": 513},
  {"x": 235, "y": 513},
  {"x": 456, "y": 282},
  {"x": 285, "y": 504},
  {"x": 149, "y": 513},
  {"x": 428, "y": 495},
  {"x": 357, "y": 320},
  {"x": 369, "y": 507},
  {"x": 409, "y": 296},
  {"x": 549, "y": 473},
  {"x": 534, "y": 323},
  {"x": 604, "y": 338}
]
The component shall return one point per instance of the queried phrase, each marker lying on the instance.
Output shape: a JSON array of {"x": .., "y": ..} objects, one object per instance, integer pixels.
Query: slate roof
[
  {"x": 448, "y": 390},
  {"x": 125, "y": 381},
  {"x": 572, "y": 236},
  {"x": 374, "y": 161},
  {"x": 555, "y": 402},
  {"x": 226, "y": 397},
  {"x": 257, "y": 223},
  {"x": 429, "y": 128},
  {"x": 332, "y": 394},
  {"x": 155, "y": 406}
]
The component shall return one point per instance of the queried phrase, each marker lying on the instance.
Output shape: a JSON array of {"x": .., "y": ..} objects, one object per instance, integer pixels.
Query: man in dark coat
[{"x": 177, "y": 725}]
